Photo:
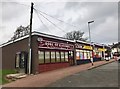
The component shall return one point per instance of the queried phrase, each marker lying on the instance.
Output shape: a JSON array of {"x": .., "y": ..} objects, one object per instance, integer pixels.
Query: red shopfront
[{"x": 54, "y": 53}]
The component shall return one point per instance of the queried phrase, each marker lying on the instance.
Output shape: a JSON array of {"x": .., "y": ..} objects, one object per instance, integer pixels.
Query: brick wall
[{"x": 51, "y": 66}]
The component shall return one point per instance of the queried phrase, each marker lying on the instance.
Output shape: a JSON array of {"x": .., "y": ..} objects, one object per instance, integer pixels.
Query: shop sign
[
  {"x": 52, "y": 44},
  {"x": 87, "y": 47},
  {"x": 78, "y": 46},
  {"x": 101, "y": 49}
]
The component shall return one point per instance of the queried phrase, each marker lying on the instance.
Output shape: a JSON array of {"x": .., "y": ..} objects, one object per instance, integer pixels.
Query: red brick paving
[{"x": 44, "y": 79}]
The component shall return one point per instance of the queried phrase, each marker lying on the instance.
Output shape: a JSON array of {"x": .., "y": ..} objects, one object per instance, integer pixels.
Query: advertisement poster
[
  {"x": 81, "y": 55},
  {"x": 77, "y": 55},
  {"x": 85, "y": 55}
]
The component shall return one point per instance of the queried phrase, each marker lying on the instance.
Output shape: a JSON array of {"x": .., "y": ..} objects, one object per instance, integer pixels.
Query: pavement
[{"x": 46, "y": 78}]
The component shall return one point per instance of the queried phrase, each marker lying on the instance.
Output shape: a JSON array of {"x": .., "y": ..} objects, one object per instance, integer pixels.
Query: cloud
[
  {"x": 106, "y": 32},
  {"x": 12, "y": 10},
  {"x": 13, "y": 15},
  {"x": 105, "y": 15}
]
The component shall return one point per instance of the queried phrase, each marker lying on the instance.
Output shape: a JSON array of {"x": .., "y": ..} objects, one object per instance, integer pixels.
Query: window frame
[
  {"x": 47, "y": 58},
  {"x": 67, "y": 56},
  {"x": 43, "y": 57},
  {"x": 59, "y": 57},
  {"x": 62, "y": 56},
  {"x": 52, "y": 58}
]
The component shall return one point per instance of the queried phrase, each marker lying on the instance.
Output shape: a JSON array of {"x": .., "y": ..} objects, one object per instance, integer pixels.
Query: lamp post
[
  {"x": 104, "y": 52},
  {"x": 89, "y": 30},
  {"x": 90, "y": 39}
]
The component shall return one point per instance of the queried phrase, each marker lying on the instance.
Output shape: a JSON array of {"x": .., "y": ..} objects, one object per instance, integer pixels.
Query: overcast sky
[{"x": 78, "y": 13}]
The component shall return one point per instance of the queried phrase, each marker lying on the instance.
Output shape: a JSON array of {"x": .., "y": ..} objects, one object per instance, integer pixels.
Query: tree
[
  {"x": 20, "y": 32},
  {"x": 75, "y": 35}
]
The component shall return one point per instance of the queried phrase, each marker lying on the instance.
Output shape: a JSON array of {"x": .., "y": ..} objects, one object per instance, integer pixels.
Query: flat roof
[
  {"x": 38, "y": 34},
  {"x": 49, "y": 36},
  {"x": 83, "y": 42}
]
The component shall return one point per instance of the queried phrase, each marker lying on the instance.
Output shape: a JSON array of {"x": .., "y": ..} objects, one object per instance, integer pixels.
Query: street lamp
[
  {"x": 90, "y": 40},
  {"x": 89, "y": 30},
  {"x": 103, "y": 51}
]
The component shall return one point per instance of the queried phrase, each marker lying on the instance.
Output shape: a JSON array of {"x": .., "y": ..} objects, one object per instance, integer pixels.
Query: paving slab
[{"x": 46, "y": 78}]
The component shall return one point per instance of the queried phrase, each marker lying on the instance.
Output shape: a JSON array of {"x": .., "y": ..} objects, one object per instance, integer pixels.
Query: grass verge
[{"x": 3, "y": 74}]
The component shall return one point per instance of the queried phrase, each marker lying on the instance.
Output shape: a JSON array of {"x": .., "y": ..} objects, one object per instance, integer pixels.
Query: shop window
[
  {"x": 97, "y": 54},
  {"x": 66, "y": 56},
  {"x": 81, "y": 54},
  {"x": 47, "y": 57},
  {"x": 57, "y": 56},
  {"x": 41, "y": 56},
  {"x": 85, "y": 55},
  {"x": 88, "y": 54},
  {"x": 78, "y": 55},
  {"x": 91, "y": 54},
  {"x": 17, "y": 60},
  {"x": 52, "y": 57},
  {"x": 71, "y": 53},
  {"x": 62, "y": 57},
  {"x": 100, "y": 54}
]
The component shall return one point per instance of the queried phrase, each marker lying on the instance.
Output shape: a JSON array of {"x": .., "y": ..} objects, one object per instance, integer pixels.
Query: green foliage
[
  {"x": 75, "y": 35},
  {"x": 3, "y": 74}
]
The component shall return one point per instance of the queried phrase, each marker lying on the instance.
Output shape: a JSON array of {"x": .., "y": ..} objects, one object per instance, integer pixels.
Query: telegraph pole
[{"x": 30, "y": 40}]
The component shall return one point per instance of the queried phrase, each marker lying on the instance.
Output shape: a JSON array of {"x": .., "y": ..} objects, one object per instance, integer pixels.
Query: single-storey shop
[
  {"x": 48, "y": 53},
  {"x": 84, "y": 52}
]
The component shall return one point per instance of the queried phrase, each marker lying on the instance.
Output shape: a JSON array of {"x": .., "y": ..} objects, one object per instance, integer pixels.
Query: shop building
[
  {"x": 54, "y": 53},
  {"x": 99, "y": 52},
  {"x": 115, "y": 49},
  {"x": 83, "y": 52},
  {"x": 48, "y": 53}
]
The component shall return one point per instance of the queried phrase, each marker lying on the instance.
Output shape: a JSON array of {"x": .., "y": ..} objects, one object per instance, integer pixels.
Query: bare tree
[{"x": 75, "y": 35}]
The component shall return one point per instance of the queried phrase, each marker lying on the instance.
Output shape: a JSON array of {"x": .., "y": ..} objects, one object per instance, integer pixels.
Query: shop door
[
  {"x": 21, "y": 62},
  {"x": 71, "y": 58}
]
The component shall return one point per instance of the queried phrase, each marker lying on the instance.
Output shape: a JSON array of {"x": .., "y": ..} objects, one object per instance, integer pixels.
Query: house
[{"x": 115, "y": 48}]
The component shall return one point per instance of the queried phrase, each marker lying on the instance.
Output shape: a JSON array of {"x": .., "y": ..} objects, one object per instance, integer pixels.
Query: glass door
[
  {"x": 21, "y": 62},
  {"x": 71, "y": 58}
]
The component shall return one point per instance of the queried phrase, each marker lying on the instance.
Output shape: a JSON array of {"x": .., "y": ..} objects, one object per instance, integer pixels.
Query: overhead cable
[
  {"x": 58, "y": 19},
  {"x": 50, "y": 21},
  {"x": 41, "y": 20}
]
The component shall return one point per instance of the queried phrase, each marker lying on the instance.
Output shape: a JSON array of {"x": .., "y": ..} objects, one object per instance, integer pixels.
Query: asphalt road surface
[{"x": 103, "y": 76}]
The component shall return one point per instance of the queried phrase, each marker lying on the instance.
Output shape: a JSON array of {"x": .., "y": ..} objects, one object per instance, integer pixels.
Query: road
[{"x": 103, "y": 76}]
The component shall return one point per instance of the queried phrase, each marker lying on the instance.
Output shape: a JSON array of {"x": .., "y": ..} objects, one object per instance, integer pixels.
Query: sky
[{"x": 74, "y": 14}]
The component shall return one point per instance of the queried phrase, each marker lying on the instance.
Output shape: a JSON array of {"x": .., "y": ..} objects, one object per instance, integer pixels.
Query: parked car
[
  {"x": 107, "y": 56},
  {"x": 107, "y": 59},
  {"x": 116, "y": 54}
]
